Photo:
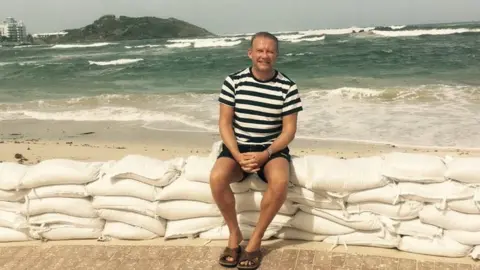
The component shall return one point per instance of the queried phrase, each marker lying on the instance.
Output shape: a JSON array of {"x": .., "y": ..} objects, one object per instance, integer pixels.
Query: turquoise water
[{"x": 416, "y": 85}]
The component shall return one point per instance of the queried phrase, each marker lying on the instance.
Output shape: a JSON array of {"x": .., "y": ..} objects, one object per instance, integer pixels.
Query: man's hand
[{"x": 253, "y": 161}]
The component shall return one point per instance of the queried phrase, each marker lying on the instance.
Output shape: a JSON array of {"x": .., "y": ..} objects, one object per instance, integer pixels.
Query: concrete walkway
[{"x": 202, "y": 254}]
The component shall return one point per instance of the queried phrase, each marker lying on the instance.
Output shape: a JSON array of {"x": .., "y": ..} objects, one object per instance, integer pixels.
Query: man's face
[{"x": 263, "y": 54}]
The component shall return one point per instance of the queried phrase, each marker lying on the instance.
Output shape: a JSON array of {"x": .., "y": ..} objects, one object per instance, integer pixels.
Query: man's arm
[
  {"x": 225, "y": 125},
  {"x": 287, "y": 135}
]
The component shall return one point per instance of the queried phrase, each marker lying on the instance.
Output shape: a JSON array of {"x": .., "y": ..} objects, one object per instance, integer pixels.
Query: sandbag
[
  {"x": 222, "y": 232},
  {"x": 413, "y": 167},
  {"x": 464, "y": 237},
  {"x": 65, "y": 232},
  {"x": 124, "y": 203},
  {"x": 379, "y": 238},
  {"x": 11, "y": 235},
  {"x": 318, "y": 225},
  {"x": 11, "y": 175},
  {"x": 155, "y": 225},
  {"x": 362, "y": 221},
  {"x": 16, "y": 207},
  {"x": 13, "y": 195},
  {"x": 147, "y": 170},
  {"x": 106, "y": 186},
  {"x": 464, "y": 169},
  {"x": 449, "y": 219},
  {"x": 65, "y": 191},
  {"x": 60, "y": 172},
  {"x": 389, "y": 194},
  {"x": 417, "y": 228},
  {"x": 438, "y": 246},
  {"x": 12, "y": 220},
  {"x": 183, "y": 209},
  {"x": 402, "y": 211},
  {"x": 435, "y": 192},
  {"x": 468, "y": 206},
  {"x": 198, "y": 168},
  {"x": 251, "y": 218},
  {"x": 58, "y": 219},
  {"x": 191, "y": 227},
  {"x": 307, "y": 197},
  {"x": 475, "y": 254},
  {"x": 341, "y": 175},
  {"x": 77, "y": 207},
  {"x": 120, "y": 230},
  {"x": 250, "y": 201},
  {"x": 296, "y": 234}
]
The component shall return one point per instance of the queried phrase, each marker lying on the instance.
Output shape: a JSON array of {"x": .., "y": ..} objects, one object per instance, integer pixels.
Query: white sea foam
[
  {"x": 70, "y": 46},
  {"x": 422, "y": 32},
  {"x": 143, "y": 46},
  {"x": 115, "y": 62}
]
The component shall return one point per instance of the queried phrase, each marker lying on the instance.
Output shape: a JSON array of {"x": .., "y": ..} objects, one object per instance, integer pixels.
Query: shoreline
[{"x": 37, "y": 140}]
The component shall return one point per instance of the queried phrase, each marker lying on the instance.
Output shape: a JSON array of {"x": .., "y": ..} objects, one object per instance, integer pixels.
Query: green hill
[{"x": 112, "y": 28}]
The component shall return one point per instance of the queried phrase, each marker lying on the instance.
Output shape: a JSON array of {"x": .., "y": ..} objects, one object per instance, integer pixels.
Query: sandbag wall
[{"x": 416, "y": 203}]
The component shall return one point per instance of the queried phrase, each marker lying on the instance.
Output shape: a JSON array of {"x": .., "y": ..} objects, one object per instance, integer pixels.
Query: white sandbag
[
  {"x": 250, "y": 201},
  {"x": 155, "y": 225},
  {"x": 417, "y": 228},
  {"x": 318, "y": 225},
  {"x": 198, "y": 168},
  {"x": 65, "y": 191},
  {"x": 191, "y": 227},
  {"x": 342, "y": 175},
  {"x": 365, "y": 221},
  {"x": 299, "y": 168},
  {"x": 12, "y": 220},
  {"x": 13, "y": 195},
  {"x": 468, "y": 206},
  {"x": 77, "y": 207},
  {"x": 124, "y": 203},
  {"x": 60, "y": 172},
  {"x": 402, "y": 211},
  {"x": 79, "y": 222},
  {"x": 464, "y": 237},
  {"x": 11, "y": 175},
  {"x": 438, "y": 246},
  {"x": 215, "y": 150},
  {"x": 181, "y": 189},
  {"x": 414, "y": 167},
  {"x": 65, "y": 232},
  {"x": 380, "y": 238},
  {"x": 148, "y": 170},
  {"x": 464, "y": 169},
  {"x": 16, "y": 207},
  {"x": 106, "y": 186},
  {"x": 120, "y": 230},
  {"x": 307, "y": 197},
  {"x": 183, "y": 209},
  {"x": 11, "y": 235},
  {"x": 222, "y": 232},
  {"x": 389, "y": 194},
  {"x": 475, "y": 254},
  {"x": 449, "y": 219},
  {"x": 296, "y": 234},
  {"x": 435, "y": 192},
  {"x": 255, "y": 183},
  {"x": 251, "y": 218}
]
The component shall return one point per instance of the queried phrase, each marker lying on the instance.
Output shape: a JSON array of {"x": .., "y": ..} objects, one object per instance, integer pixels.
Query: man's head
[{"x": 263, "y": 51}]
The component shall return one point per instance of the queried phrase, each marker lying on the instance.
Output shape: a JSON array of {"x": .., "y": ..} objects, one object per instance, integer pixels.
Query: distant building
[
  {"x": 44, "y": 35},
  {"x": 14, "y": 30}
]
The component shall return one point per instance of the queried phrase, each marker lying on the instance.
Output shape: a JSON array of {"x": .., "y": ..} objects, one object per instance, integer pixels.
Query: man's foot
[
  {"x": 230, "y": 255},
  {"x": 251, "y": 256}
]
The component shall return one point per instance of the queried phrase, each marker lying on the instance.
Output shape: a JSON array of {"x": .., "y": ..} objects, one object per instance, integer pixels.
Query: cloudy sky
[{"x": 233, "y": 16}]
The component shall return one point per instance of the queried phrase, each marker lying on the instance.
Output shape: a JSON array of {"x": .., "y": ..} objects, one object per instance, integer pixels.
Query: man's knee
[
  {"x": 277, "y": 173},
  {"x": 223, "y": 173}
]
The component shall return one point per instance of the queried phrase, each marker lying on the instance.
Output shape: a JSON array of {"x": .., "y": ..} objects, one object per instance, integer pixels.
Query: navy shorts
[{"x": 285, "y": 153}]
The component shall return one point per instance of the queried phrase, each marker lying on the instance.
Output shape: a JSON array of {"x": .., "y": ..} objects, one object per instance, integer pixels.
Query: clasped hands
[{"x": 251, "y": 162}]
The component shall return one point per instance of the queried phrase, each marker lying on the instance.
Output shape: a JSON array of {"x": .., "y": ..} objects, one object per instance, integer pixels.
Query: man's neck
[{"x": 263, "y": 75}]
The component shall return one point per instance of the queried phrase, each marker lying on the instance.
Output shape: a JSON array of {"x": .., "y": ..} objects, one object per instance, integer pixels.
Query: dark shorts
[{"x": 285, "y": 153}]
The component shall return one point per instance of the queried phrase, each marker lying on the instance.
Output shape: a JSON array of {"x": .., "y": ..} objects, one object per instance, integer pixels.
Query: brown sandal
[
  {"x": 233, "y": 253},
  {"x": 252, "y": 259}
]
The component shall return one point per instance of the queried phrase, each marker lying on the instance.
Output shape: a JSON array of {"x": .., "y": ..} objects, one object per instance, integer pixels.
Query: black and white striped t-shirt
[{"x": 259, "y": 105}]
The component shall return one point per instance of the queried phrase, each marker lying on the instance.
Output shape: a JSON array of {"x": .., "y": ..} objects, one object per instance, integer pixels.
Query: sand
[{"x": 31, "y": 141}]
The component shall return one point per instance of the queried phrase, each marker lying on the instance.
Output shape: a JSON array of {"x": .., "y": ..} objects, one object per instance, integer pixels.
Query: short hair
[{"x": 265, "y": 35}]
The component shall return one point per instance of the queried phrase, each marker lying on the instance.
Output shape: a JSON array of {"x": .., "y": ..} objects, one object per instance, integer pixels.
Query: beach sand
[{"x": 31, "y": 141}]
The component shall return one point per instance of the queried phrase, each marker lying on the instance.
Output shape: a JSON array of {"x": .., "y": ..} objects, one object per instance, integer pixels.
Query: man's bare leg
[
  {"x": 277, "y": 172},
  {"x": 224, "y": 172}
]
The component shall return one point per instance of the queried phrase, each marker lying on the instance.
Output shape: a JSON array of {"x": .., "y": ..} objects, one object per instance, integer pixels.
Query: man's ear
[{"x": 249, "y": 53}]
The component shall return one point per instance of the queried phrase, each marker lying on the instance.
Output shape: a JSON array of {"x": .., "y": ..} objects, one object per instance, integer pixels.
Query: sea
[{"x": 415, "y": 85}]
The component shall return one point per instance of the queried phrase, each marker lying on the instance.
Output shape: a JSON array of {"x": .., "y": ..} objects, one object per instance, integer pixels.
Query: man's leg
[
  {"x": 277, "y": 173},
  {"x": 226, "y": 171}
]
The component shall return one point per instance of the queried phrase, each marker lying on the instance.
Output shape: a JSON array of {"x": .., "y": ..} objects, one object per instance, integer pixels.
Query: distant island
[{"x": 113, "y": 28}]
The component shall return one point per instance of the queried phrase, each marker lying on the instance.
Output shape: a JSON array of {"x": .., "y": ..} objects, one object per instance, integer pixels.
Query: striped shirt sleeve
[
  {"x": 227, "y": 94},
  {"x": 292, "y": 103}
]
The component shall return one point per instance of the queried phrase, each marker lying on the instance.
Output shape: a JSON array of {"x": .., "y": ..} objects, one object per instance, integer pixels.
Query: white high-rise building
[{"x": 14, "y": 30}]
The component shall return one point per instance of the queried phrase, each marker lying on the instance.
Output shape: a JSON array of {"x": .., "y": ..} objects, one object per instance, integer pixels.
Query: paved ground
[{"x": 192, "y": 254}]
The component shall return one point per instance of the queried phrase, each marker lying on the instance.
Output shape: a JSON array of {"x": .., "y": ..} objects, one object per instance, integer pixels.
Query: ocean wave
[
  {"x": 72, "y": 46},
  {"x": 424, "y": 32},
  {"x": 115, "y": 62},
  {"x": 143, "y": 46}
]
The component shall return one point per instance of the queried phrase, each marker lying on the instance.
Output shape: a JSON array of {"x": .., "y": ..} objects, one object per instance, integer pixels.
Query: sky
[{"x": 246, "y": 16}]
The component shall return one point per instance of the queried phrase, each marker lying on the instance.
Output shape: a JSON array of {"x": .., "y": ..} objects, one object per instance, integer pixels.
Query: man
[{"x": 258, "y": 120}]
